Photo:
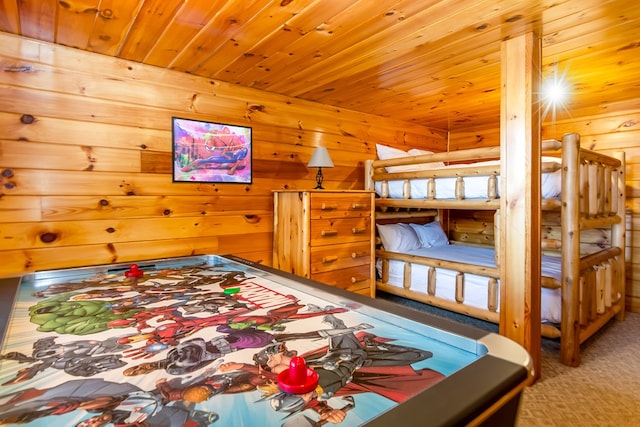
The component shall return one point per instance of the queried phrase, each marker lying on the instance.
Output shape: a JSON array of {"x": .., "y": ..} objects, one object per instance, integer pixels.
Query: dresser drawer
[
  {"x": 357, "y": 279},
  {"x": 343, "y": 230},
  {"x": 338, "y": 205},
  {"x": 333, "y": 257}
]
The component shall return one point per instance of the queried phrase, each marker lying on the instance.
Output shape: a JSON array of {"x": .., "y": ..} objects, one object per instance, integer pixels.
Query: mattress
[
  {"x": 475, "y": 293},
  {"x": 475, "y": 187}
]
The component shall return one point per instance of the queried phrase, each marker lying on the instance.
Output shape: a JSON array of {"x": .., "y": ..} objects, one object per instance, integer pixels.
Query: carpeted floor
[{"x": 603, "y": 391}]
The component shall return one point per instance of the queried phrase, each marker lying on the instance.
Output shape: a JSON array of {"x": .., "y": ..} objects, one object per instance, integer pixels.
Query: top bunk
[{"x": 470, "y": 179}]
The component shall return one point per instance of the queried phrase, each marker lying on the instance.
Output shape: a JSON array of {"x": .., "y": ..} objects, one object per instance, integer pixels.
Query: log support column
[{"x": 520, "y": 205}]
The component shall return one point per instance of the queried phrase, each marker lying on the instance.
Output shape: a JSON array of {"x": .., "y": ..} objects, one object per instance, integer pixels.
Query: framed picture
[{"x": 210, "y": 152}]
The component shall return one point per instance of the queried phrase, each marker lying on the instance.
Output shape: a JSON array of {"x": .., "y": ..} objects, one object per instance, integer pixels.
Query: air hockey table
[{"x": 206, "y": 340}]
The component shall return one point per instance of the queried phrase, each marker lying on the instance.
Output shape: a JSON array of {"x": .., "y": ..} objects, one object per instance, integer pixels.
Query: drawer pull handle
[
  {"x": 326, "y": 233},
  {"x": 358, "y": 279},
  {"x": 358, "y": 230},
  {"x": 326, "y": 207},
  {"x": 355, "y": 255},
  {"x": 328, "y": 259},
  {"x": 358, "y": 206}
]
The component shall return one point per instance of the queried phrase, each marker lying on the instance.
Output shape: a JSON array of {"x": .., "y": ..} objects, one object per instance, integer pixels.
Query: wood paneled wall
[
  {"x": 606, "y": 133},
  {"x": 85, "y": 159}
]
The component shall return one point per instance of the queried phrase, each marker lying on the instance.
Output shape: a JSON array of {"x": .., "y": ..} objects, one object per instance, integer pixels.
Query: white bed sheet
[
  {"x": 475, "y": 187},
  {"x": 475, "y": 294}
]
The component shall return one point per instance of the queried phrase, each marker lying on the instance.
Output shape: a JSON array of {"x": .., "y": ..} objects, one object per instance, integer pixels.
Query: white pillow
[
  {"x": 398, "y": 237},
  {"x": 552, "y": 182},
  {"x": 385, "y": 152},
  {"x": 431, "y": 235},
  {"x": 425, "y": 166},
  {"x": 417, "y": 151}
]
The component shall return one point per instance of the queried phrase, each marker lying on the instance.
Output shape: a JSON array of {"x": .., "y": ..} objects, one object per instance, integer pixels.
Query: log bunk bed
[{"x": 586, "y": 199}]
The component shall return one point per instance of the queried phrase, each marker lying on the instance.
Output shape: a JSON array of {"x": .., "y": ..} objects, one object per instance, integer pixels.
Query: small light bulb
[{"x": 555, "y": 92}]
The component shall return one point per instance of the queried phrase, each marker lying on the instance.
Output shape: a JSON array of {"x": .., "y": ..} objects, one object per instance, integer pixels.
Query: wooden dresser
[{"x": 327, "y": 236}]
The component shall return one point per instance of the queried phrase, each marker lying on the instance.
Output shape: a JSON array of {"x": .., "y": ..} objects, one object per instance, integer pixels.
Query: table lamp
[{"x": 320, "y": 159}]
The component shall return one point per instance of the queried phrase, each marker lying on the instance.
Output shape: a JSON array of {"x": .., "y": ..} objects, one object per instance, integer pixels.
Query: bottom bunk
[
  {"x": 470, "y": 285},
  {"x": 452, "y": 276},
  {"x": 463, "y": 277}
]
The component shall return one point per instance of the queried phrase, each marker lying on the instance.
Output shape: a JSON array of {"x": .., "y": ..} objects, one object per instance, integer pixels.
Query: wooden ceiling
[{"x": 434, "y": 62}]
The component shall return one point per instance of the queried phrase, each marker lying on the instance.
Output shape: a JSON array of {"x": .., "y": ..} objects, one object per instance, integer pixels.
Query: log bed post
[
  {"x": 520, "y": 205},
  {"x": 618, "y": 231},
  {"x": 570, "y": 327}
]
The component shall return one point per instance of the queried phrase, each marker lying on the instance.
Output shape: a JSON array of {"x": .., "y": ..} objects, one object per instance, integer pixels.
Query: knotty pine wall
[
  {"x": 608, "y": 133},
  {"x": 85, "y": 159}
]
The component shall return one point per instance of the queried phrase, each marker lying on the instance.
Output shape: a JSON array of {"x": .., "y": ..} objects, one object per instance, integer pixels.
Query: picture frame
[{"x": 211, "y": 152}]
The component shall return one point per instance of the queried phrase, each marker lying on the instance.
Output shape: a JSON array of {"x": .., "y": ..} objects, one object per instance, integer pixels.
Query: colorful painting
[
  {"x": 201, "y": 341},
  {"x": 211, "y": 152}
]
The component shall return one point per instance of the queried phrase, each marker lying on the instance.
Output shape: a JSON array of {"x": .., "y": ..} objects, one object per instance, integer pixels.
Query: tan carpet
[{"x": 603, "y": 391}]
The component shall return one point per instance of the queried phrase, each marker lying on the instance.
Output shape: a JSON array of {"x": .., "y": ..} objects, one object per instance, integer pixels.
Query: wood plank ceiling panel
[
  {"x": 273, "y": 55},
  {"x": 219, "y": 31},
  {"x": 323, "y": 38},
  {"x": 113, "y": 22},
  {"x": 75, "y": 22},
  {"x": 9, "y": 16},
  {"x": 149, "y": 24},
  {"x": 237, "y": 55},
  {"x": 37, "y": 19},
  {"x": 431, "y": 62},
  {"x": 188, "y": 21}
]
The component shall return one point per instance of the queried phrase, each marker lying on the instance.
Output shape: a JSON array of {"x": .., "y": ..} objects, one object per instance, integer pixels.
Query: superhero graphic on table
[
  {"x": 169, "y": 280},
  {"x": 250, "y": 331},
  {"x": 79, "y": 313},
  {"x": 353, "y": 362},
  {"x": 82, "y": 358},
  {"x": 76, "y": 313},
  {"x": 119, "y": 404},
  {"x": 173, "y": 403},
  {"x": 68, "y": 313},
  {"x": 182, "y": 347}
]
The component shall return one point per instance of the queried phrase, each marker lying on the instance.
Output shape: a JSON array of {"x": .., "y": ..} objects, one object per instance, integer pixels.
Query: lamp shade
[{"x": 320, "y": 158}]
